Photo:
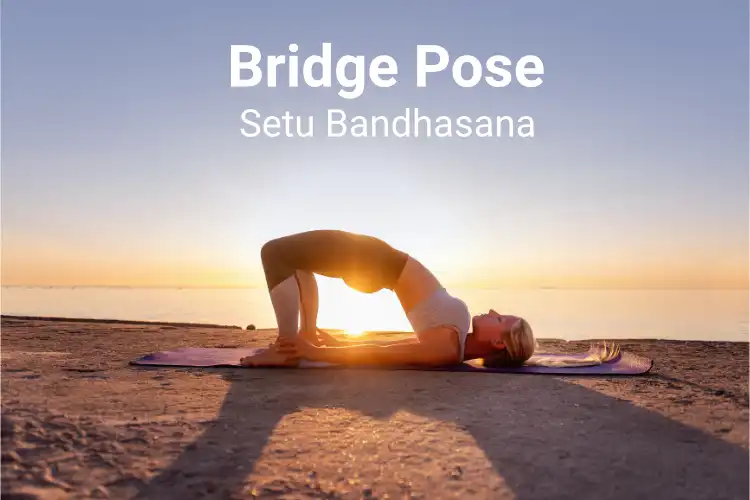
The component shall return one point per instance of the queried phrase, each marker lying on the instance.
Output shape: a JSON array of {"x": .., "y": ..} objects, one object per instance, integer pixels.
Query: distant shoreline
[
  {"x": 117, "y": 321},
  {"x": 10, "y": 317}
]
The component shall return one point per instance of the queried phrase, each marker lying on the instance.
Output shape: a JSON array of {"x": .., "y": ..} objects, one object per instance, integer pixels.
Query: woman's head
[{"x": 509, "y": 339}]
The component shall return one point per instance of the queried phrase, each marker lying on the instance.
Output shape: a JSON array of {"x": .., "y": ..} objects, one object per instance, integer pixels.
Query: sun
[
  {"x": 356, "y": 327},
  {"x": 354, "y": 313},
  {"x": 352, "y": 317}
]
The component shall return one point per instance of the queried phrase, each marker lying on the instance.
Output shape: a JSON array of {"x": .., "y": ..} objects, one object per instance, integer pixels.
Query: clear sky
[{"x": 123, "y": 162}]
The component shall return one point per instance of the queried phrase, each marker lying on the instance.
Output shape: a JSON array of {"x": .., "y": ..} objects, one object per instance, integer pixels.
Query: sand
[{"x": 79, "y": 422}]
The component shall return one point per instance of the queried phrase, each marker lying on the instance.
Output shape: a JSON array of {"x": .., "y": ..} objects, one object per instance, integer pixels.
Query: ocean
[{"x": 553, "y": 313}]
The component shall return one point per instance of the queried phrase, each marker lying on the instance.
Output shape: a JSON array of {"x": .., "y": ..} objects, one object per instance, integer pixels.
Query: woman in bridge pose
[{"x": 445, "y": 332}]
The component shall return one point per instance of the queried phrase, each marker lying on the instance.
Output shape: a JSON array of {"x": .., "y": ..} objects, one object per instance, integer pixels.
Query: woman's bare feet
[{"x": 270, "y": 357}]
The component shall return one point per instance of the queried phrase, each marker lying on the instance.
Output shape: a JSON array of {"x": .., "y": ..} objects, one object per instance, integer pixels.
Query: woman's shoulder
[{"x": 444, "y": 337}]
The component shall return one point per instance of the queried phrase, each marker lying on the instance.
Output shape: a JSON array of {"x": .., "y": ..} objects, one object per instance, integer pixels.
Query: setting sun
[
  {"x": 354, "y": 332},
  {"x": 355, "y": 313}
]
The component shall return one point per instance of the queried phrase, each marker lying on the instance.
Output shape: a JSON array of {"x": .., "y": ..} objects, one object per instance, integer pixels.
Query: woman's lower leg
[
  {"x": 308, "y": 288},
  {"x": 286, "y": 306},
  {"x": 283, "y": 289}
]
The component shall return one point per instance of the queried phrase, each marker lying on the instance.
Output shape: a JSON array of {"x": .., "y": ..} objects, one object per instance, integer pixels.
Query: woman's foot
[{"x": 270, "y": 357}]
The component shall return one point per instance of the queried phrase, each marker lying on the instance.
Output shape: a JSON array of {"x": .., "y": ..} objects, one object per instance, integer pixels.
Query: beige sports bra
[{"x": 440, "y": 309}]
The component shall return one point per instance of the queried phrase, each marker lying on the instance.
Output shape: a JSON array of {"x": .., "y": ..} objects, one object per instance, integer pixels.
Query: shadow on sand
[{"x": 545, "y": 437}]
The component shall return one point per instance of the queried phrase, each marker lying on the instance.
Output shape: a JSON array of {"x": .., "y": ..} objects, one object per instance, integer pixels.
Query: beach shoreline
[{"x": 79, "y": 422}]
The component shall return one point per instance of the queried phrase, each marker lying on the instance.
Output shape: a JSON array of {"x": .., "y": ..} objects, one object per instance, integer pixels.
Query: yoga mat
[{"x": 623, "y": 364}]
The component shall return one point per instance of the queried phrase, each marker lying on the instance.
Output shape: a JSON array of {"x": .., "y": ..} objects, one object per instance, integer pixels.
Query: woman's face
[{"x": 493, "y": 328}]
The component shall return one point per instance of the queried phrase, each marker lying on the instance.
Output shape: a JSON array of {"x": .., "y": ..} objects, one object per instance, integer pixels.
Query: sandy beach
[{"x": 79, "y": 422}]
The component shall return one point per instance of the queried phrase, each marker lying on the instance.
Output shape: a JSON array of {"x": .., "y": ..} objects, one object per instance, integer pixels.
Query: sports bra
[{"x": 441, "y": 308}]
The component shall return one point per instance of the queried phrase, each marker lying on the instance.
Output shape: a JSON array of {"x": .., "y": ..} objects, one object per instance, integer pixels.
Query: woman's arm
[
  {"x": 329, "y": 340},
  {"x": 439, "y": 349},
  {"x": 381, "y": 343},
  {"x": 324, "y": 338},
  {"x": 409, "y": 354}
]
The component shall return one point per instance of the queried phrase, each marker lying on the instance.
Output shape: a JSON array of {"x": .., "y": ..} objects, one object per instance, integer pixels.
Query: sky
[{"x": 123, "y": 162}]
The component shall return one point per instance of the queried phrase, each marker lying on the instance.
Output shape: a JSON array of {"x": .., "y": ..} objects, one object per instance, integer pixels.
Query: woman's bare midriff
[{"x": 415, "y": 284}]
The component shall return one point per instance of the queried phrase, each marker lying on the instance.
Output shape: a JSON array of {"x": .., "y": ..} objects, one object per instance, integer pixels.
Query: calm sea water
[{"x": 567, "y": 314}]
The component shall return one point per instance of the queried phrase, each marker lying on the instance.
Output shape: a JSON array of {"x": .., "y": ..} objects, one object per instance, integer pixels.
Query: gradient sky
[{"x": 123, "y": 164}]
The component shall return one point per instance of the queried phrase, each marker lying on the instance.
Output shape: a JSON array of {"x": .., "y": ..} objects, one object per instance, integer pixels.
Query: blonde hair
[
  {"x": 520, "y": 345},
  {"x": 597, "y": 354}
]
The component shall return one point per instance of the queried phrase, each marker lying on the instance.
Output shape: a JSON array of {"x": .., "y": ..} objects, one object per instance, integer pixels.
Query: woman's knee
[
  {"x": 275, "y": 268},
  {"x": 271, "y": 250}
]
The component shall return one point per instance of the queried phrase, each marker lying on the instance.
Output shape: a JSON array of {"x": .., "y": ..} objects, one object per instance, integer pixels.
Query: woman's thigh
[{"x": 365, "y": 263}]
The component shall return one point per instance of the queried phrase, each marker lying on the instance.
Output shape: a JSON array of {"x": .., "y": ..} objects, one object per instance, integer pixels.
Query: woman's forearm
[
  {"x": 381, "y": 343},
  {"x": 395, "y": 354}
]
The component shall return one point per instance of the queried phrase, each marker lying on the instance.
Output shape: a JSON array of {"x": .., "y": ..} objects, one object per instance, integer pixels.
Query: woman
[{"x": 445, "y": 331}]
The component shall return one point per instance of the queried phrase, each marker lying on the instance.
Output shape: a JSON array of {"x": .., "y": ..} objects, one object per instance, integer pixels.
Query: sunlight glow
[
  {"x": 354, "y": 333},
  {"x": 355, "y": 313}
]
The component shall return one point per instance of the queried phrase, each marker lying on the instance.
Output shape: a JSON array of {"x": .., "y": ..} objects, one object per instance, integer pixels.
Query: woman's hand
[
  {"x": 320, "y": 338},
  {"x": 326, "y": 339},
  {"x": 296, "y": 347}
]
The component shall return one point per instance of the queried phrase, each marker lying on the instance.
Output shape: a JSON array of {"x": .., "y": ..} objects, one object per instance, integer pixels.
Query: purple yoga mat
[{"x": 623, "y": 364}]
